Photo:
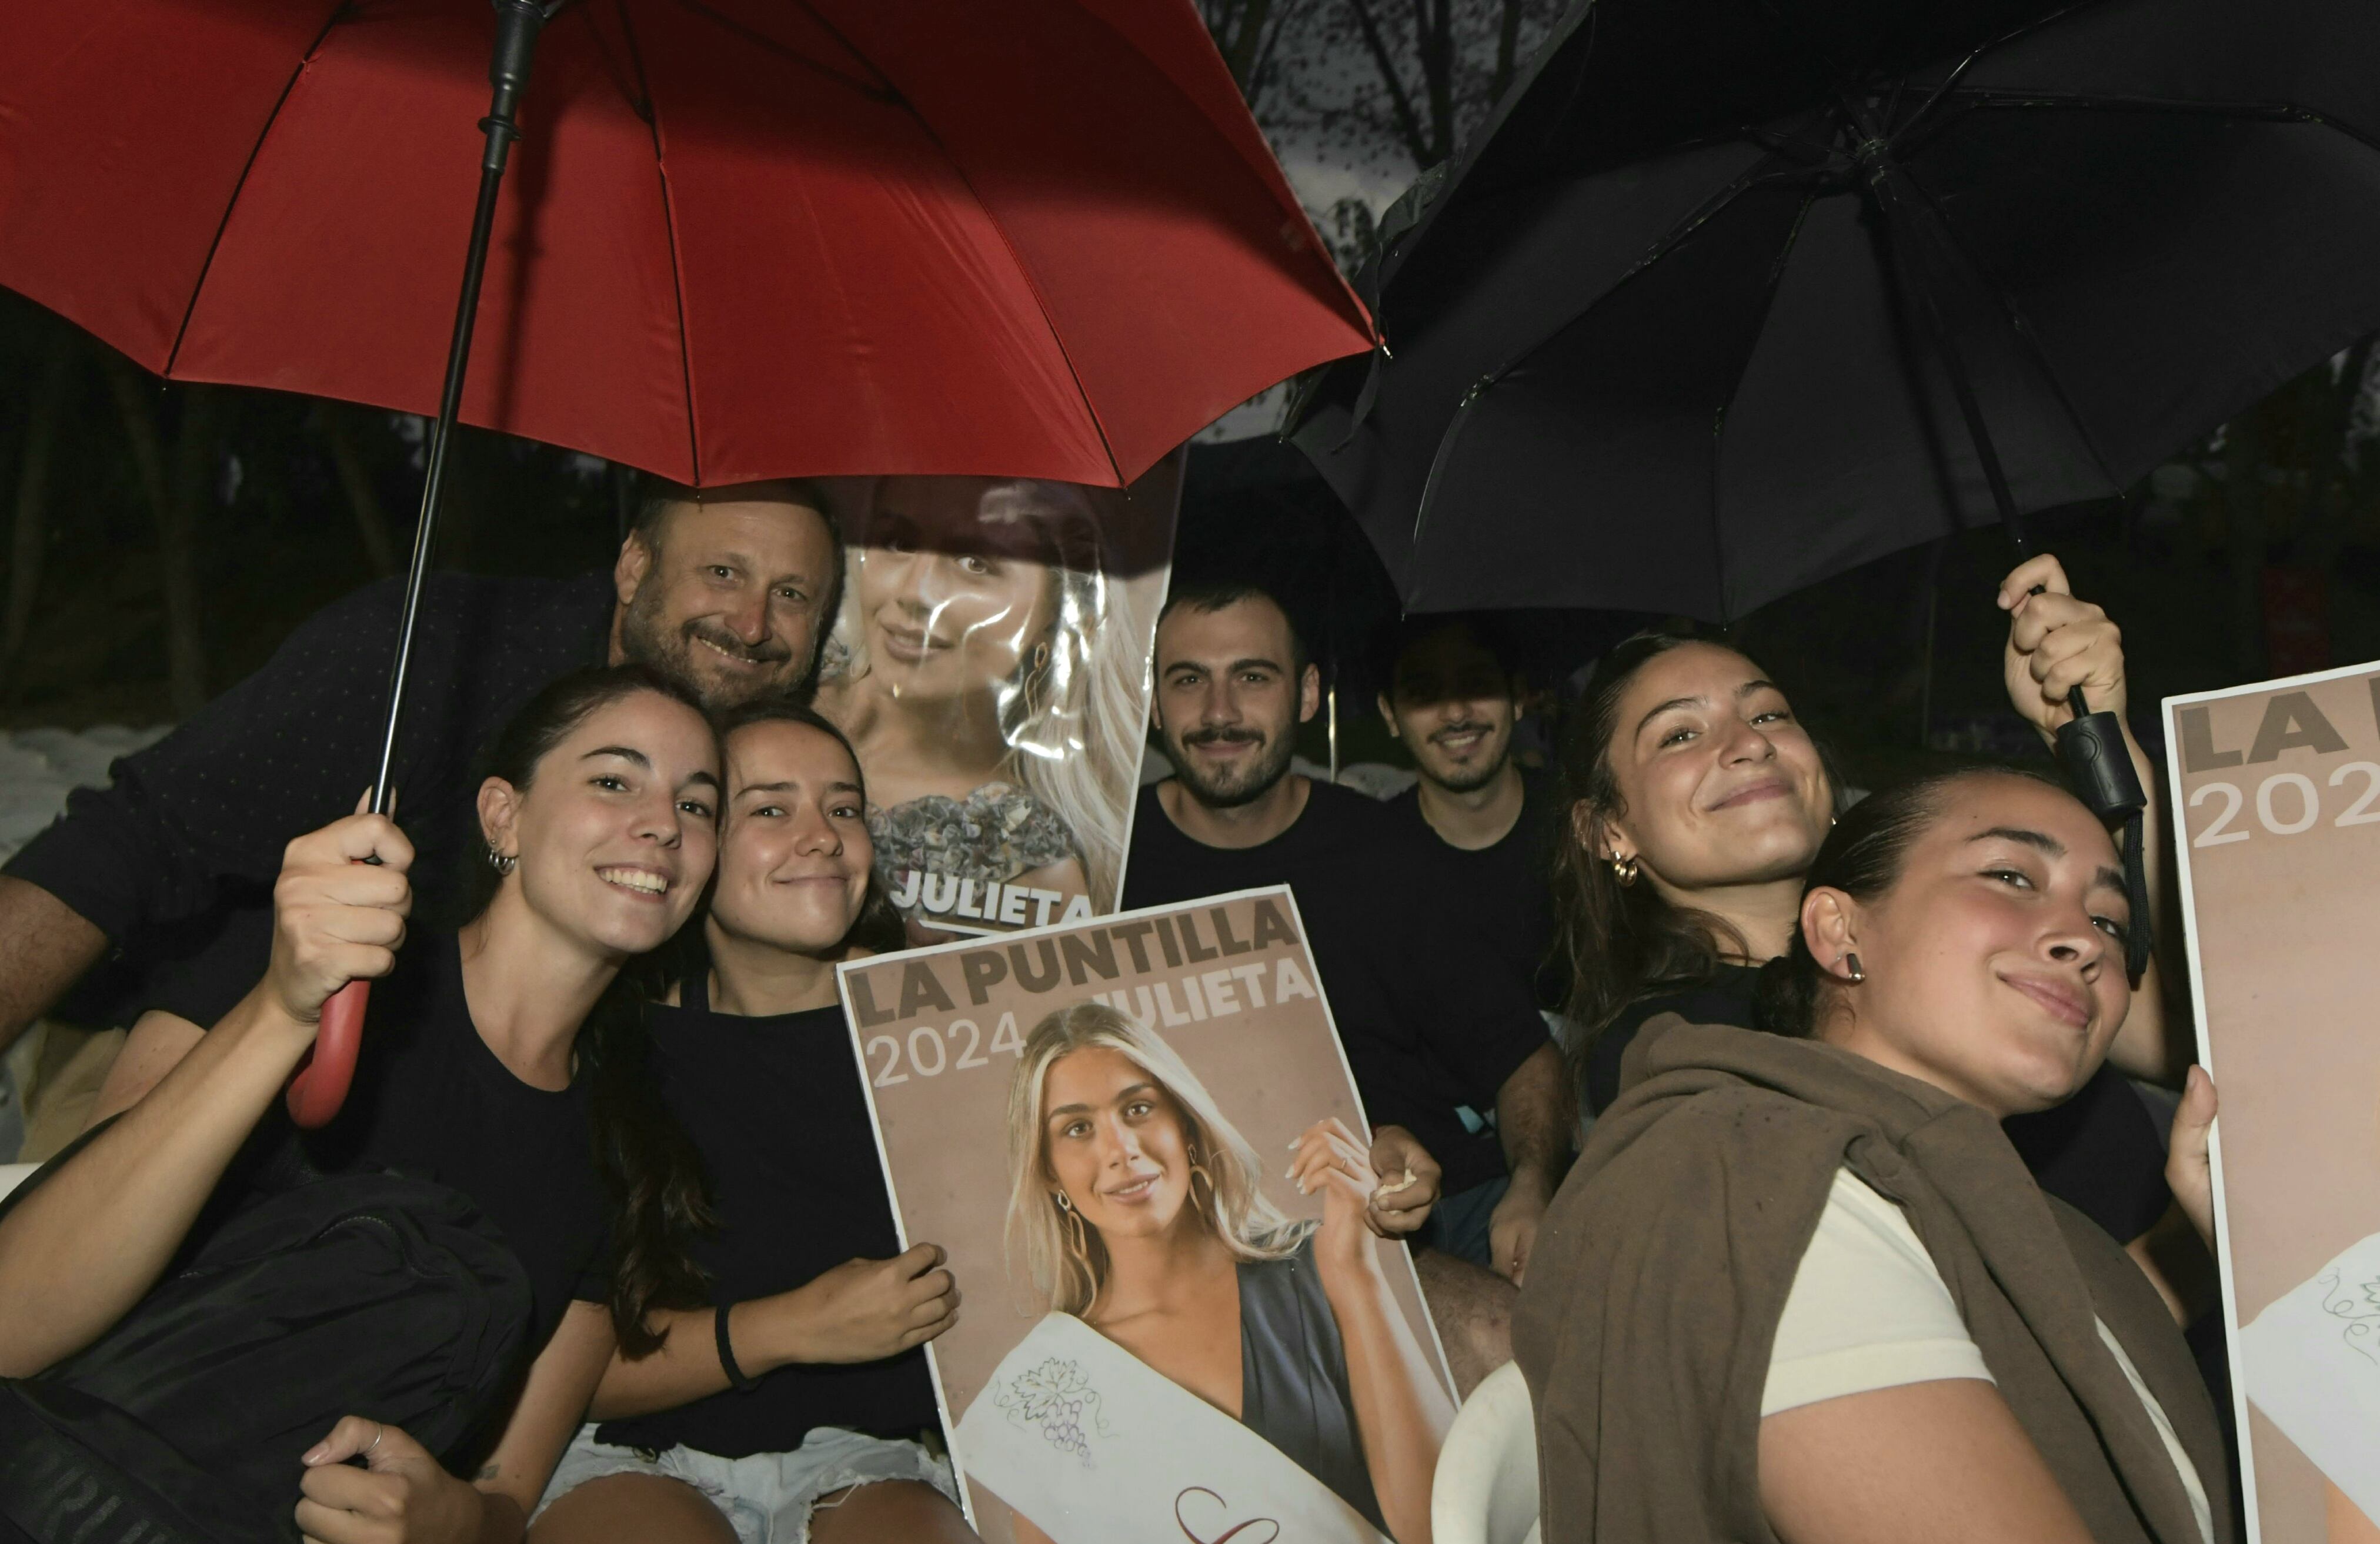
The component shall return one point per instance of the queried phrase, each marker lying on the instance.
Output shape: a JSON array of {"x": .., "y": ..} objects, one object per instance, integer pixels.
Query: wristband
[{"x": 727, "y": 1353}]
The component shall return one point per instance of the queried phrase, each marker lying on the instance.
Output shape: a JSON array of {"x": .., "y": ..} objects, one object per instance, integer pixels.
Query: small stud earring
[{"x": 1851, "y": 964}]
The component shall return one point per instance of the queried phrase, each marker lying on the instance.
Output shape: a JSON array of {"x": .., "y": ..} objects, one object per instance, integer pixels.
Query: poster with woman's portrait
[
  {"x": 2277, "y": 790},
  {"x": 1137, "y": 1140},
  {"x": 990, "y": 662}
]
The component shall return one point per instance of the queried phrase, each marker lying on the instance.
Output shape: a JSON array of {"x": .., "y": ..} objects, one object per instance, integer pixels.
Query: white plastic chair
[
  {"x": 1486, "y": 1490},
  {"x": 14, "y": 1174}
]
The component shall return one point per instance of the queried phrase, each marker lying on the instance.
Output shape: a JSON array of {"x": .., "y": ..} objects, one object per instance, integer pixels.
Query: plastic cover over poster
[
  {"x": 2277, "y": 790},
  {"x": 990, "y": 662},
  {"x": 1097, "y": 1123}
]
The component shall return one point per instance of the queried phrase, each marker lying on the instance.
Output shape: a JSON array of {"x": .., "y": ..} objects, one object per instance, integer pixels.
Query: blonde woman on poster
[
  {"x": 1205, "y": 1363},
  {"x": 1003, "y": 744}
]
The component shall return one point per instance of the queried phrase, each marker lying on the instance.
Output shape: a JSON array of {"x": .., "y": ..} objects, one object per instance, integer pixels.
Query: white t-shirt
[{"x": 1869, "y": 1310}]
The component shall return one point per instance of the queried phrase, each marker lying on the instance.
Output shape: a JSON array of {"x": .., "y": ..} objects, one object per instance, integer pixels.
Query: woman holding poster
[
  {"x": 1204, "y": 1362},
  {"x": 989, "y": 666}
]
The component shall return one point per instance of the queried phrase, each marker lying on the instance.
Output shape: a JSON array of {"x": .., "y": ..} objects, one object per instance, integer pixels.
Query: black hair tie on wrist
[{"x": 727, "y": 1353}]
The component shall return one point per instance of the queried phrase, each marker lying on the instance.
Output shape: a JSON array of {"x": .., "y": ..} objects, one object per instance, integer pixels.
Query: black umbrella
[{"x": 1718, "y": 308}]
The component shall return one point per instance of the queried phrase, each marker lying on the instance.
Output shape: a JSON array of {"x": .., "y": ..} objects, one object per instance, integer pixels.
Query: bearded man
[
  {"x": 1464, "y": 1087},
  {"x": 731, "y": 589}
]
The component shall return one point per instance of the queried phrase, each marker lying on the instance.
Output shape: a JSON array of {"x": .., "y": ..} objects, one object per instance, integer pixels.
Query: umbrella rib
[
  {"x": 1040, "y": 301},
  {"x": 652, "y": 117},
  {"x": 880, "y": 89},
  {"x": 189, "y": 307},
  {"x": 1700, "y": 215},
  {"x": 2269, "y": 112},
  {"x": 2018, "y": 324},
  {"x": 1719, "y": 419}
]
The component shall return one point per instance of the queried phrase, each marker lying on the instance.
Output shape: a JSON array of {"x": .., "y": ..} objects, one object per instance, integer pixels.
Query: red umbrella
[{"x": 741, "y": 240}]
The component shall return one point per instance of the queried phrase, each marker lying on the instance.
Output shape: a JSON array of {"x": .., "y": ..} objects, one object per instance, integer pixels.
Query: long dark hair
[
  {"x": 878, "y": 928},
  {"x": 1620, "y": 941},
  {"x": 1862, "y": 856},
  {"x": 647, "y": 1162}
]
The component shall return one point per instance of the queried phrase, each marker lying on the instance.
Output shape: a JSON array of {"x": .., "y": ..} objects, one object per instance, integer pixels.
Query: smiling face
[
  {"x": 795, "y": 856},
  {"x": 1995, "y": 963},
  {"x": 954, "y": 585},
  {"x": 1230, "y": 698},
  {"x": 1113, "y": 1143},
  {"x": 1720, "y": 785},
  {"x": 731, "y": 598},
  {"x": 1452, "y": 706},
  {"x": 616, "y": 832}
]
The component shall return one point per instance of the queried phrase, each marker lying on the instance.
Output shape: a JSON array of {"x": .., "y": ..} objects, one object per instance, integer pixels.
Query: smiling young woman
[
  {"x": 1697, "y": 802},
  {"x": 790, "y": 1395},
  {"x": 1824, "y": 1230},
  {"x": 452, "y": 1234}
]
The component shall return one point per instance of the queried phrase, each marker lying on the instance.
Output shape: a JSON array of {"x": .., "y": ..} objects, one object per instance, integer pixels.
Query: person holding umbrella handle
[
  {"x": 1697, "y": 801},
  {"x": 209, "y": 1314}
]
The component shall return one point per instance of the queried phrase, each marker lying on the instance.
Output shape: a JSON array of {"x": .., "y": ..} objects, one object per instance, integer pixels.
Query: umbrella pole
[
  {"x": 320, "y": 1085},
  {"x": 2090, "y": 745}
]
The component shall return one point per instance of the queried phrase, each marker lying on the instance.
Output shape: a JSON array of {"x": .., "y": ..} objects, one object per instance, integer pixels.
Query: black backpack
[{"x": 375, "y": 1295}]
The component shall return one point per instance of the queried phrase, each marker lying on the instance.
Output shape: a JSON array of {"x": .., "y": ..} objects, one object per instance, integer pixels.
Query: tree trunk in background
[
  {"x": 30, "y": 533},
  {"x": 371, "y": 524},
  {"x": 177, "y": 506}
]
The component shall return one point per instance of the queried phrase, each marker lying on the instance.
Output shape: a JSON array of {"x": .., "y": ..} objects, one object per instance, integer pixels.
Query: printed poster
[
  {"x": 990, "y": 662},
  {"x": 1095, "y": 1122},
  {"x": 2278, "y": 788}
]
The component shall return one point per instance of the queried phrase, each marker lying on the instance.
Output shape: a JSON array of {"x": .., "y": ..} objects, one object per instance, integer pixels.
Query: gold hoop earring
[
  {"x": 1078, "y": 1241},
  {"x": 1624, "y": 869},
  {"x": 1198, "y": 1173}
]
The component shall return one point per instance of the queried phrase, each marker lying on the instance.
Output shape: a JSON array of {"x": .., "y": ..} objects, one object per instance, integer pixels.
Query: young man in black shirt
[
  {"x": 729, "y": 589},
  {"x": 1435, "y": 1031},
  {"x": 1452, "y": 697}
]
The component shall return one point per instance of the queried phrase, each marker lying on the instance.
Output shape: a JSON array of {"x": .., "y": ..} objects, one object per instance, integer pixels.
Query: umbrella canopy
[
  {"x": 1695, "y": 377},
  {"x": 741, "y": 238}
]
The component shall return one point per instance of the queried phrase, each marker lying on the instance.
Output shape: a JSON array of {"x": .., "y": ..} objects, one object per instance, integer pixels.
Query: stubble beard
[
  {"x": 646, "y": 638},
  {"x": 1269, "y": 765}
]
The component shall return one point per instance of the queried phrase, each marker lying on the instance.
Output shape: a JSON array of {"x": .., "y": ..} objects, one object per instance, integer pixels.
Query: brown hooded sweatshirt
[{"x": 1658, "y": 1277}]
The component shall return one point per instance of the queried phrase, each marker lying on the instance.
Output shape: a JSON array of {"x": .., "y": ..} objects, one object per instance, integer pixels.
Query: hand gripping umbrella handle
[{"x": 320, "y": 1085}]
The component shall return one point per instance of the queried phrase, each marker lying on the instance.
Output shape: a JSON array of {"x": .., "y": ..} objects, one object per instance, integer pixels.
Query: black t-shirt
[
  {"x": 776, "y": 1106},
  {"x": 431, "y": 1100},
  {"x": 2098, "y": 1152},
  {"x": 1432, "y": 1025},
  {"x": 190, "y": 829},
  {"x": 1506, "y": 884}
]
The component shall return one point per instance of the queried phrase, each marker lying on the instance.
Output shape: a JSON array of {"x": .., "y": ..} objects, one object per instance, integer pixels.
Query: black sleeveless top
[{"x": 1293, "y": 1377}]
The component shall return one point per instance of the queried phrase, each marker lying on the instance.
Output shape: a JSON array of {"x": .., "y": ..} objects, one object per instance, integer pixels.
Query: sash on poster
[
  {"x": 990, "y": 664},
  {"x": 2277, "y": 788},
  {"x": 1048, "y": 1186}
]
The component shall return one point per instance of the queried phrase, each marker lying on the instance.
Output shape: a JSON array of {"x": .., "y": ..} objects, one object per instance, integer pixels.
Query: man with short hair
[
  {"x": 1430, "y": 1022},
  {"x": 731, "y": 589},
  {"x": 1452, "y": 697}
]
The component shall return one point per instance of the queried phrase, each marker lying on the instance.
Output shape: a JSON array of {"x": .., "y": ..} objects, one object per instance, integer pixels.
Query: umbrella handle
[{"x": 320, "y": 1085}]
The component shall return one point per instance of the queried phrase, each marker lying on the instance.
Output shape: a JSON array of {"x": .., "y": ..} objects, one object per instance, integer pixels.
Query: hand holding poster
[
  {"x": 990, "y": 665},
  {"x": 2278, "y": 786},
  {"x": 1139, "y": 1144}
]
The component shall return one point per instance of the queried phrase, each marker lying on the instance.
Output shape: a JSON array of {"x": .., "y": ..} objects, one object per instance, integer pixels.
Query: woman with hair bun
[
  {"x": 1800, "y": 1285},
  {"x": 1194, "y": 1338}
]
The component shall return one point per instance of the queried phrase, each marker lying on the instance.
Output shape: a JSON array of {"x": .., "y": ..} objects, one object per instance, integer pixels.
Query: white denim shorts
[{"x": 767, "y": 1497}]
